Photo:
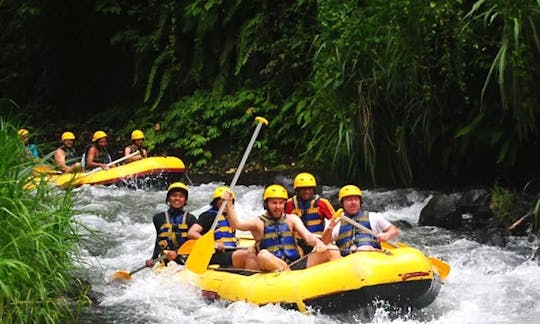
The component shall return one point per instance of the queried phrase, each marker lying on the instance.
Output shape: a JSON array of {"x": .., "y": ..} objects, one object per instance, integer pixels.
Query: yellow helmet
[
  {"x": 275, "y": 191},
  {"x": 220, "y": 191},
  {"x": 23, "y": 132},
  {"x": 304, "y": 180},
  {"x": 349, "y": 190},
  {"x": 177, "y": 186},
  {"x": 137, "y": 134},
  {"x": 98, "y": 135},
  {"x": 68, "y": 136}
]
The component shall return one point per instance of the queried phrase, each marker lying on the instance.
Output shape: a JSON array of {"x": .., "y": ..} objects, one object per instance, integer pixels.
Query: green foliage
[
  {"x": 37, "y": 243},
  {"x": 502, "y": 203}
]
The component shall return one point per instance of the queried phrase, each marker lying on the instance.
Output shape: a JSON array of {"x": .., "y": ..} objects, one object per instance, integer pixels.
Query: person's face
[
  {"x": 138, "y": 142},
  {"x": 352, "y": 204},
  {"x": 177, "y": 199},
  {"x": 102, "y": 142},
  {"x": 69, "y": 142},
  {"x": 306, "y": 193},
  {"x": 221, "y": 201},
  {"x": 275, "y": 206},
  {"x": 25, "y": 139}
]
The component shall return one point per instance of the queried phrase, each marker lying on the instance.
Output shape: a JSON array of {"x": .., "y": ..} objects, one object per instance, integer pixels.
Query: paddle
[
  {"x": 111, "y": 163},
  {"x": 187, "y": 247},
  {"x": 442, "y": 267},
  {"x": 125, "y": 275},
  {"x": 203, "y": 248}
]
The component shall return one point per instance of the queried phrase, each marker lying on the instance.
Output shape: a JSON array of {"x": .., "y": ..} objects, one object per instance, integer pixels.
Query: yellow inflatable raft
[
  {"x": 143, "y": 172},
  {"x": 402, "y": 276}
]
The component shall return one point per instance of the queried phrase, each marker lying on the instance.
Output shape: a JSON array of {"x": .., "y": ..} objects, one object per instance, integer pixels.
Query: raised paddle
[
  {"x": 126, "y": 275},
  {"x": 203, "y": 248},
  {"x": 442, "y": 267},
  {"x": 122, "y": 159}
]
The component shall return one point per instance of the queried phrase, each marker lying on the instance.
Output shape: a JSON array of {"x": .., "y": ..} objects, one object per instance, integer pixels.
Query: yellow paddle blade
[
  {"x": 442, "y": 267},
  {"x": 186, "y": 248},
  {"x": 122, "y": 275},
  {"x": 201, "y": 253}
]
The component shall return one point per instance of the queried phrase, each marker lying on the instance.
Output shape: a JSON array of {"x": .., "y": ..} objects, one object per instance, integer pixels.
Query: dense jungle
[{"x": 395, "y": 93}]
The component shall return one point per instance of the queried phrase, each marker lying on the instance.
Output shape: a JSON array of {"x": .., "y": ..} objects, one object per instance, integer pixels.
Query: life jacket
[
  {"x": 223, "y": 233},
  {"x": 102, "y": 157},
  {"x": 70, "y": 154},
  {"x": 173, "y": 234},
  {"x": 278, "y": 239},
  {"x": 309, "y": 213},
  {"x": 349, "y": 234}
]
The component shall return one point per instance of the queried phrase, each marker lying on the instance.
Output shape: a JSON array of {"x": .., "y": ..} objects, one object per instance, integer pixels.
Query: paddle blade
[
  {"x": 186, "y": 248},
  {"x": 442, "y": 267},
  {"x": 122, "y": 275},
  {"x": 201, "y": 253}
]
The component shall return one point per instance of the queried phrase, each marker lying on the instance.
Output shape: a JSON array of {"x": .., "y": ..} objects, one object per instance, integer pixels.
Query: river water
[{"x": 486, "y": 284}]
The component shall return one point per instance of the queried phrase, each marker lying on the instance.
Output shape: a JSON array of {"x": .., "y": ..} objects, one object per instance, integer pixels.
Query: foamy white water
[{"x": 486, "y": 284}]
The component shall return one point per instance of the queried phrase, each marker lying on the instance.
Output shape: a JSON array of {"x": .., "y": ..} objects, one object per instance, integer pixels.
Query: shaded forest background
[{"x": 393, "y": 93}]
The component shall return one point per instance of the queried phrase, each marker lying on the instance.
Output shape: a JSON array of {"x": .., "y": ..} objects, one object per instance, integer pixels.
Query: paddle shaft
[
  {"x": 113, "y": 162},
  {"x": 238, "y": 171}
]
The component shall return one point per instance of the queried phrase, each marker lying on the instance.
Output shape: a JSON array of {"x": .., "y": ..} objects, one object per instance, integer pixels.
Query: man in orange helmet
[{"x": 65, "y": 156}]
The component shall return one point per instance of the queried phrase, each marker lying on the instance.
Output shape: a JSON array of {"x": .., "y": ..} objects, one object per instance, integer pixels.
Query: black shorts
[
  {"x": 306, "y": 248},
  {"x": 224, "y": 259},
  {"x": 300, "y": 265}
]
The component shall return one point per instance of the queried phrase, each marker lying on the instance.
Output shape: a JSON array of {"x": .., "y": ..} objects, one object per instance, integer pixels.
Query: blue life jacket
[
  {"x": 102, "y": 157},
  {"x": 308, "y": 210},
  {"x": 278, "y": 239},
  {"x": 70, "y": 155},
  {"x": 349, "y": 235},
  {"x": 223, "y": 233}
]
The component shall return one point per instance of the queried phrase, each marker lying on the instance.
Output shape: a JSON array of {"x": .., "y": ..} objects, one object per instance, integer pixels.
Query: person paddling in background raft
[
  {"x": 348, "y": 237},
  {"x": 274, "y": 233},
  {"x": 224, "y": 235},
  {"x": 172, "y": 226},
  {"x": 65, "y": 156},
  {"x": 96, "y": 155},
  {"x": 137, "y": 139},
  {"x": 30, "y": 150},
  {"x": 310, "y": 207}
]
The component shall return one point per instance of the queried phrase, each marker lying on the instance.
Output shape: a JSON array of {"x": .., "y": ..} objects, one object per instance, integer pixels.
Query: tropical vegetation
[
  {"x": 38, "y": 243},
  {"x": 379, "y": 92}
]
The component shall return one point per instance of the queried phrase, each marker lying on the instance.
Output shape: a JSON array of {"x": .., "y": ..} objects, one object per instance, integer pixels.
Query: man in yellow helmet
[
  {"x": 137, "y": 139},
  {"x": 274, "y": 232},
  {"x": 31, "y": 150},
  {"x": 227, "y": 253},
  {"x": 96, "y": 155},
  {"x": 309, "y": 206},
  {"x": 65, "y": 156},
  {"x": 172, "y": 226},
  {"x": 350, "y": 238}
]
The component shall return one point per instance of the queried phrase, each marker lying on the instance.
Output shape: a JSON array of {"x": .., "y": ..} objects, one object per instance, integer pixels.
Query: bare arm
[
  {"x": 90, "y": 159},
  {"x": 242, "y": 225},
  {"x": 60, "y": 160},
  {"x": 194, "y": 232},
  {"x": 390, "y": 233},
  {"x": 326, "y": 236}
]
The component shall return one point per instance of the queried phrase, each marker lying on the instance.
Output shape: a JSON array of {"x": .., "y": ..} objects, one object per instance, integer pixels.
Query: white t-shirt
[{"x": 376, "y": 221}]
